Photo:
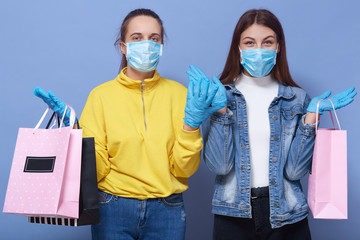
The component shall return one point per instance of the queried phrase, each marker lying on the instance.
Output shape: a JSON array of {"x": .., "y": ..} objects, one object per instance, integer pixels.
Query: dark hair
[
  {"x": 233, "y": 66},
  {"x": 123, "y": 29}
]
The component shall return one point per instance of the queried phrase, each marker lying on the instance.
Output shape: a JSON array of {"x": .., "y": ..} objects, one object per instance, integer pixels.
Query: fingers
[
  {"x": 325, "y": 95},
  {"x": 204, "y": 89},
  {"x": 211, "y": 94},
  {"x": 52, "y": 95},
  {"x": 191, "y": 74},
  {"x": 197, "y": 87},
  {"x": 344, "y": 93},
  {"x": 216, "y": 81},
  {"x": 191, "y": 88},
  {"x": 347, "y": 102},
  {"x": 343, "y": 96},
  {"x": 41, "y": 93},
  {"x": 349, "y": 91},
  {"x": 55, "y": 98},
  {"x": 195, "y": 70},
  {"x": 353, "y": 94},
  {"x": 198, "y": 72}
]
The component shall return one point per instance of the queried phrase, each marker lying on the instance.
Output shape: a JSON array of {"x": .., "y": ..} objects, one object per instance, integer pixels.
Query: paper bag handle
[
  {"x": 332, "y": 119},
  {"x": 72, "y": 117}
]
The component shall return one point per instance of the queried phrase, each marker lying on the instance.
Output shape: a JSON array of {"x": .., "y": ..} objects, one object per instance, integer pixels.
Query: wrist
[
  {"x": 310, "y": 118},
  {"x": 187, "y": 127},
  {"x": 223, "y": 110}
]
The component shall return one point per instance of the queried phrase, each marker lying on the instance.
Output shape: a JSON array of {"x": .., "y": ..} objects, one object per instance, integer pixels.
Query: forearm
[
  {"x": 300, "y": 153},
  {"x": 219, "y": 152},
  {"x": 185, "y": 158}
]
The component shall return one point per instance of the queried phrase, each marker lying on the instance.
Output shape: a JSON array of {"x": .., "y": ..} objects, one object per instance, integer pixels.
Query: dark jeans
[{"x": 258, "y": 227}]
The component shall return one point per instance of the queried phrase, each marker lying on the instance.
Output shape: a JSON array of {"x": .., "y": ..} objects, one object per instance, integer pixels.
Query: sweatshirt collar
[{"x": 136, "y": 84}]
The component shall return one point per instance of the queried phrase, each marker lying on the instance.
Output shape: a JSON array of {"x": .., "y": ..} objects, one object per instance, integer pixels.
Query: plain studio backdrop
[{"x": 67, "y": 47}]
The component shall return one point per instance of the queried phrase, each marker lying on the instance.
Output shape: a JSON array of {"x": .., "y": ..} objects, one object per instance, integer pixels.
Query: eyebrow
[
  {"x": 270, "y": 36},
  {"x": 152, "y": 34}
]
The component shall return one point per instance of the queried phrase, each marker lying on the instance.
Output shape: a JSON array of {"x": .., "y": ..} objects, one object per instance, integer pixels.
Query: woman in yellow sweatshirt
[{"x": 145, "y": 151}]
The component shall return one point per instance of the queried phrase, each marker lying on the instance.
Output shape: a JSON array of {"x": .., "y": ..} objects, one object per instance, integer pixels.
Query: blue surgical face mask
[
  {"x": 258, "y": 62},
  {"x": 143, "y": 56}
]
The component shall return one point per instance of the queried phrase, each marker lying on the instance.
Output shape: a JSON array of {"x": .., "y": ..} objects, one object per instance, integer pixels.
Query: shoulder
[
  {"x": 172, "y": 86},
  {"x": 103, "y": 89},
  {"x": 295, "y": 98},
  {"x": 300, "y": 94}
]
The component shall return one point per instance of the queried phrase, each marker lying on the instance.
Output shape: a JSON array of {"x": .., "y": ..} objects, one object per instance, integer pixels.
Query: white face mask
[{"x": 143, "y": 56}]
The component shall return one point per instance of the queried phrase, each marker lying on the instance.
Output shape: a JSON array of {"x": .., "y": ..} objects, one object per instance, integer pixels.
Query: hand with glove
[
  {"x": 54, "y": 103},
  {"x": 203, "y": 98},
  {"x": 339, "y": 100},
  {"x": 220, "y": 99}
]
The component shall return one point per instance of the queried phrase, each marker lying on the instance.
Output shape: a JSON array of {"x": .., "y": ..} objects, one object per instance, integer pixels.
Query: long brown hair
[
  {"x": 263, "y": 17},
  {"x": 123, "y": 29}
]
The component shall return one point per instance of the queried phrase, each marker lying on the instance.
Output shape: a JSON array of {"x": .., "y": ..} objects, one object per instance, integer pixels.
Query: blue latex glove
[
  {"x": 54, "y": 103},
  {"x": 339, "y": 100},
  {"x": 220, "y": 99},
  {"x": 199, "y": 97}
]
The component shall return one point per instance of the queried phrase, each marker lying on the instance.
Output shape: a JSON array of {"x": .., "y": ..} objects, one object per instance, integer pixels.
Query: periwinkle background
[{"x": 67, "y": 47}]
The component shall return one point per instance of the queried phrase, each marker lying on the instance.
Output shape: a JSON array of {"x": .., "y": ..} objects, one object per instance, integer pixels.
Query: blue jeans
[{"x": 129, "y": 218}]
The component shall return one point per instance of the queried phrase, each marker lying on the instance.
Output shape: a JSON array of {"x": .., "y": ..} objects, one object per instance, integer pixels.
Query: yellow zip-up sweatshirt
[{"x": 141, "y": 148}]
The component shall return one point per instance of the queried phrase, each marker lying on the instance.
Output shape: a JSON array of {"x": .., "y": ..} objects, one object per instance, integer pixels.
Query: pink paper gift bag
[
  {"x": 327, "y": 191},
  {"x": 45, "y": 172}
]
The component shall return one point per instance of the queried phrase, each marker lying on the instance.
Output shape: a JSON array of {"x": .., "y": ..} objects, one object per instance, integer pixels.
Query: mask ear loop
[
  {"x": 127, "y": 49},
  {"x": 241, "y": 62}
]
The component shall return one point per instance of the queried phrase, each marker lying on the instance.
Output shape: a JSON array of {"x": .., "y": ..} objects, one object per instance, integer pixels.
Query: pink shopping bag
[
  {"x": 45, "y": 172},
  {"x": 327, "y": 191}
]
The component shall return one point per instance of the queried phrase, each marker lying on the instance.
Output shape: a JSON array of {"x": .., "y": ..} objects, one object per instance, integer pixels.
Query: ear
[
  {"x": 278, "y": 48},
  {"x": 123, "y": 48}
]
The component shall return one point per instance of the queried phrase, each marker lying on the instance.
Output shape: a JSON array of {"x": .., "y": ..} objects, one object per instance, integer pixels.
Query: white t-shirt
[{"x": 258, "y": 93}]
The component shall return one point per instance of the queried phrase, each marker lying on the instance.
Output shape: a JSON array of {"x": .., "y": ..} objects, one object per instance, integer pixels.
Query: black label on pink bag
[{"x": 39, "y": 164}]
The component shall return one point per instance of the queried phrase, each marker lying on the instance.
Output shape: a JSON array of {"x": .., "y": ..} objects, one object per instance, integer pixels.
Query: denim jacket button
[
  {"x": 278, "y": 224},
  {"x": 274, "y": 159},
  {"x": 275, "y": 117},
  {"x": 276, "y": 138},
  {"x": 276, "y": 205},
  {"x": 272, "y": 182}
]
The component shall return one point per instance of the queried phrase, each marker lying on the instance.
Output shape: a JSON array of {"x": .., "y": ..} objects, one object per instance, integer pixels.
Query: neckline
[
  {"x": 266, "y": 81},
  {"x": 149, "y": 83}
]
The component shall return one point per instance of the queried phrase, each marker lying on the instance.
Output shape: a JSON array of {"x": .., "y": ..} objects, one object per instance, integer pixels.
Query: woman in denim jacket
[{"x": 261, "y": 143}]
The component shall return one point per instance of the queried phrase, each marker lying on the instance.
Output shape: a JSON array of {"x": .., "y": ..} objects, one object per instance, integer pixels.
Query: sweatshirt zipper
[{"x": 142, "y": 98}]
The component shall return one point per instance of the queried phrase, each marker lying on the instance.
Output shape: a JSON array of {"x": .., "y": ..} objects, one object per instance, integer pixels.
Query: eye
[
  {"x": 155, "y": 39},
  {"x": 136, "y": 38},
  {"x": 250, "y": 44},
  {"x": 268, "y": 43}
]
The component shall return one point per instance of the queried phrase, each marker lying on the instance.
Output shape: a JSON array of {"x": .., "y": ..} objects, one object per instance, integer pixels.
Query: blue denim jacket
[{"x": 226, "y": 152}]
